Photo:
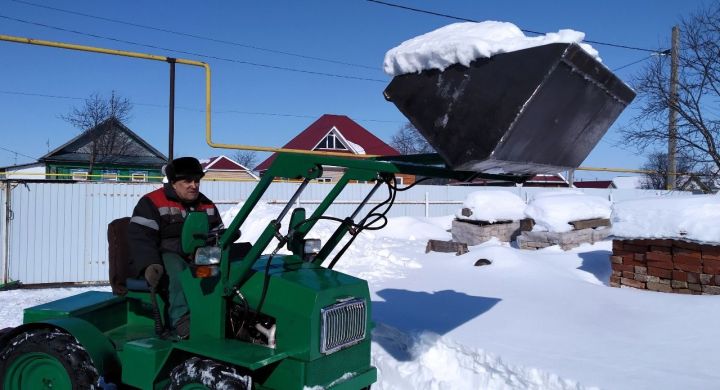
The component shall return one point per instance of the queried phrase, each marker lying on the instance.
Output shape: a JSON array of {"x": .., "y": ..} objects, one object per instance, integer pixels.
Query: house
[
  {"x": 338, "y": 133},
  {"x": 108, "y": 152},
  {"x": 601, "y": 184},
  {"x": 225, "y": 168}
]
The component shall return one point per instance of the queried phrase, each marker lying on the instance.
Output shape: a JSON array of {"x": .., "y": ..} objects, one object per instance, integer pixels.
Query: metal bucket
[{"x": 537, "y": 110}]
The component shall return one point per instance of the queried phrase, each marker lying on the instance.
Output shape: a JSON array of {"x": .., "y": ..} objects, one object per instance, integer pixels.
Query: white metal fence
[{"x": 57, "y": 232}]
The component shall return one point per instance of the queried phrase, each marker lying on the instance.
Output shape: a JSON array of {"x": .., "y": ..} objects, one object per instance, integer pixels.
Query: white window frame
[
  {"x": 138, "y": 177},
  {"x": 109, "y": 175},
  {"x": 79, "y": 174},
  {"x": 399, "y": 181}
]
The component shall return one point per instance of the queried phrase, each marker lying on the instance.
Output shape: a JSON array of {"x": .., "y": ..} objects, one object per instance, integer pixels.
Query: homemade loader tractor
[{"x": 265, "y": 320}]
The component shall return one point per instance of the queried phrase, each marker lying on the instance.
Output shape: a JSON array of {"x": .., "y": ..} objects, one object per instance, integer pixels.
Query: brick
[
  {"x": 682, "y": 291},
  {"x": 635, "y": 248},
  {"x": 688, "y": 267},
  {"x": 659, "y": 287},
  {"x": 616, "y": 259},
  {"x": 664, "y": 281},
  {"x": 623, "y": 253},
  {"x": 640, "y": 257},
  {"x": 663, "y": 249},
  {"x": 614, "y": 284},
  {"x": 617, "y": 273},
  {"x": 640, "y": 270},
  {"x": 686, "y": 245},
  {"x": 647, "y": 278},
  {"x": 711, "y": 266},
  {"x": 658, "y": 256},
  {"x": 706, "y": 279},
  {"x": 660, "y": 272},
  {"x": 632, "y": 283},
  {"x": 711, "y": 290},
  {"x": 710, "y": 252},
  {"x": 680, "y": 275},
  {"x": 695, "y": 287},
  {"x": 629, "y": 275},
  {"x": 693, "y": 277},
  {"x": 631, "y": 261},
  {"x": 623, "y": 267},
  {"x": 660, "y": 264},
  {"x": 617, "y": 245},
  {"x": 659, "y": 242},
  {"x": 687, "y": 252},
  {"x": 678, "y": 284},
  {"x": 615, "y": 279},
  {"x": 684, "y": 259}
]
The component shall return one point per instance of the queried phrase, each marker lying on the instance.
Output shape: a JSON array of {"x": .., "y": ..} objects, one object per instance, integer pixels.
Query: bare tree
[
  {"x": 407, "y": 140},
  {"x": 698, "y": 94},
  {"x": 246, "y": 158},
  {"x": 657, "y": 164},
  {"x": 98, "y": 118}
]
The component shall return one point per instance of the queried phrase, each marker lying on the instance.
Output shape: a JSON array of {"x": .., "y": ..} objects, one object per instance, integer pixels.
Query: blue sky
[{"x": 260, "y": 104}]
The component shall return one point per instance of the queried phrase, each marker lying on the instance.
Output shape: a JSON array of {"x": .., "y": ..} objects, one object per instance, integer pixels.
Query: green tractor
[{"x": 265, "y": 320}]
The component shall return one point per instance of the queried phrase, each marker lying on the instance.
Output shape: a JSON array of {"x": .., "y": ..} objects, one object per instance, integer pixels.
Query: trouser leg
[{"x": 174, "y": 265}]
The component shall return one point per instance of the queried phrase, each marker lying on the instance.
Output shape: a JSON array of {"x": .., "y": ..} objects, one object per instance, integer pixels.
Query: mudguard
[{"x": 98, "y": 346}]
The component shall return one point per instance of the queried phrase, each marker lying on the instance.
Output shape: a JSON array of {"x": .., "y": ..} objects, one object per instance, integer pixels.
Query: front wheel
[
  {"x": 196, "y": 373},
  {"x": 46, "y": 359}
]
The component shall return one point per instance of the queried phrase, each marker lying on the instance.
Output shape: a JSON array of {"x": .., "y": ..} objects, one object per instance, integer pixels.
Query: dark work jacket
[{"x": 156, "y": 225}]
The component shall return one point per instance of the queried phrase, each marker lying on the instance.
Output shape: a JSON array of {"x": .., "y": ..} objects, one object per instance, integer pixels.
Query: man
[{"x": 154, "y": 234}]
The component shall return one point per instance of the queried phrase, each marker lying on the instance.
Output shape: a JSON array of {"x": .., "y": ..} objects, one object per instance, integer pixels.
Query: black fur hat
[{"x": 184, "y": 168}]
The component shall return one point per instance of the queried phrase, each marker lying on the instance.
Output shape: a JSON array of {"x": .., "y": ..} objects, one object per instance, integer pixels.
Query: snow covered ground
[{"x": 530, "y": 320}]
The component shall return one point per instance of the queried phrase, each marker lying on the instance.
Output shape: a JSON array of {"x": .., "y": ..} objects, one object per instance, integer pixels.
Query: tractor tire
[
  {"x": 46, "y": 358},
  {"x": 196, "y": 373}
]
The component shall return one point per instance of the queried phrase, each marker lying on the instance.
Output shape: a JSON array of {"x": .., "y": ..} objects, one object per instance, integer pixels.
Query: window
[
  {"x": 324, "y": 179},
  {"x": 109, "y": 176},
  {"x": 331, "y": 142},
  {"x": 138, "y": 176},
  {"x": 399, "y": 181},
  {"x": 79, "y": 174}
]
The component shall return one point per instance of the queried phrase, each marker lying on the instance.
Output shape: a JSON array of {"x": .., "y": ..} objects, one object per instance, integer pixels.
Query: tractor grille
[{"x": 343, "y": 324}]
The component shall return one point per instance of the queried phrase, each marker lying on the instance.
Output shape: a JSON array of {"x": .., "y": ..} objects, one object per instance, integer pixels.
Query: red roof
[
  {"x": 594, "y": 184},
  {"x": 222, "y": 163},
  {"x": 349, "y": 129}
]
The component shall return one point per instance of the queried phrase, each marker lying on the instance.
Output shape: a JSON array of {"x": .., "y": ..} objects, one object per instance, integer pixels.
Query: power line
[
  {"x": 196, "y": 36},
  {"x": 18, "y": 153},
  {"x": 275, "y": 114},
  {"x": 633, "y": 63},
  {"x": 275, "y": 67},
  {"x": 523, "y": 30}
]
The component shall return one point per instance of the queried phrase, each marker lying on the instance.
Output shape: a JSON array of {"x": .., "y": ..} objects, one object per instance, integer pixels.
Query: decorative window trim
[
  {"x": 338, "y": 141},
  {"x": 109, "y": 175},
  {"x": 138, "y": 177},
  {"x": 79, "y": 174}
]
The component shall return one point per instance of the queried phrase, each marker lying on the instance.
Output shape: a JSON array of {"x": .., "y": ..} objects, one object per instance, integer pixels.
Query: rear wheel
[
  {"x": 196, "y": 373},
  {"x": 46, "y": 359}
]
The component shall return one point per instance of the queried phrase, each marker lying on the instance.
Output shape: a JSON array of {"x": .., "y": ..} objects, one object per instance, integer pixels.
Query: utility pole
[{"x": 672, "y": 115}]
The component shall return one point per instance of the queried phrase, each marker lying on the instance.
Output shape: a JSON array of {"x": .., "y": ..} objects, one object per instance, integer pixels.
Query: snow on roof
[
  {"x": 462, "y": 43},
  {"x": 691, "y": 218},
  {"x": 627, "y": 182}
]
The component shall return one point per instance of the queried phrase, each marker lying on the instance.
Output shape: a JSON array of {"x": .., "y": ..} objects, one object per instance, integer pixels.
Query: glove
[{"x": 153, "y": 273}]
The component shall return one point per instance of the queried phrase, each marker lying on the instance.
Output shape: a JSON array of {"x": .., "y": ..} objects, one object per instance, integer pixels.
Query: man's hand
[{"x": 153, "y": 273}]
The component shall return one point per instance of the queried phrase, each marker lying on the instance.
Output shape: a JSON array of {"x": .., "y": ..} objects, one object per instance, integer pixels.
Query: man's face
[{"x": 187, "y": 189}]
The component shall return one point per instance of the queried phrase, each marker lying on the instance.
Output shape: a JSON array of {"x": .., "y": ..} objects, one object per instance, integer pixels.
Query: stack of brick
[
  {"x": 666, "y": 265},
  {"x": 586, "y": 231},
  {"x": 474, "y": 232}
]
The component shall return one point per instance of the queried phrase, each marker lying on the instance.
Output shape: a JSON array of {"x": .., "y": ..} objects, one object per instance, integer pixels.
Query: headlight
[
  {"x": 208, "y": 255},
  {"x": 311, "y": 248}
]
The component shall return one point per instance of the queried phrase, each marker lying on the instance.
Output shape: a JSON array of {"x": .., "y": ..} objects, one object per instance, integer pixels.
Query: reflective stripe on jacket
[{"x": 156, "y": 225}]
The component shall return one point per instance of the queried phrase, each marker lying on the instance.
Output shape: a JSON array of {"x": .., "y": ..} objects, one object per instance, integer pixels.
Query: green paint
[
  {"x": 36, "y": 371},
  {"x": 119, "y": 330}
]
